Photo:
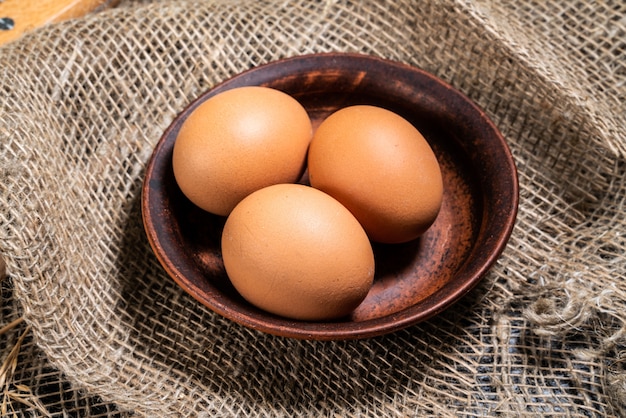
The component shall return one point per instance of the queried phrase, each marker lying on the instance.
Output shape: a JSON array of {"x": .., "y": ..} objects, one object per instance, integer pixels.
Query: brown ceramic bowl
[{"x": 414, "y": 281}]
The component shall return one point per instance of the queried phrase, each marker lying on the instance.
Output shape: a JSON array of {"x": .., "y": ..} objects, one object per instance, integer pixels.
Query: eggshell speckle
[
  {"x": 295, "y": 251},
  {"x": 381, "y": 168},
  {"x": 239, "y": 141}
]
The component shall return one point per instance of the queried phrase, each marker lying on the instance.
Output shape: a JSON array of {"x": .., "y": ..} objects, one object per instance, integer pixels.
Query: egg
[
  {"x": 295, "y": 251},
  {"x": 381, "y": 168},
  {"x": 239, "y": 141}
]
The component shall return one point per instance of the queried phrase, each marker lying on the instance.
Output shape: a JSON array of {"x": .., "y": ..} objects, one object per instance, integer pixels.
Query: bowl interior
[{"x": 413, "y": 281}]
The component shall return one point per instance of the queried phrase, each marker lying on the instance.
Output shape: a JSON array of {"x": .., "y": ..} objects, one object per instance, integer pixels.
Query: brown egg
[
  {"x": 237, "y": 142},
  {"x": 381, "y": 168},
  {"x": 294, "y": 251}
]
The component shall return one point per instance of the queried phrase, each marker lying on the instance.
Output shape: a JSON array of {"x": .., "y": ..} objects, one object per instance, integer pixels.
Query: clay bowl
[{"x": 414, "y": 281}]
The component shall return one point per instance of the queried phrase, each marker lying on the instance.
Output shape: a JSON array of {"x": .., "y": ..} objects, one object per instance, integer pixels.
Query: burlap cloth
[{"x": 82, "y": 103}]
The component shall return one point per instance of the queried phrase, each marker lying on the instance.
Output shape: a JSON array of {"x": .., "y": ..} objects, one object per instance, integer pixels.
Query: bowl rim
[{"x": 339, "y": 330}]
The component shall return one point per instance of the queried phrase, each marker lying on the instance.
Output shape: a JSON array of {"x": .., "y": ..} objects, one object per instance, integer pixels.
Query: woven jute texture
[{"x": 82, "y": 104}]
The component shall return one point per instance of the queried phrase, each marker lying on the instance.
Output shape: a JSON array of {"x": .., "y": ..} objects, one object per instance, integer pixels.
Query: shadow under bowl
[{"x": 414, "y": 281}]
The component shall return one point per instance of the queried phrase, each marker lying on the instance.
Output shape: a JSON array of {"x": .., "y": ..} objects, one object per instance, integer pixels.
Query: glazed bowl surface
[{"x": 414, "y": 281}]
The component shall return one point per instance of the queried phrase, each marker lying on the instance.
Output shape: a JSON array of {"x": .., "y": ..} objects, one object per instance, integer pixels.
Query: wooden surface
[{"x": 20, "y": 16}]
